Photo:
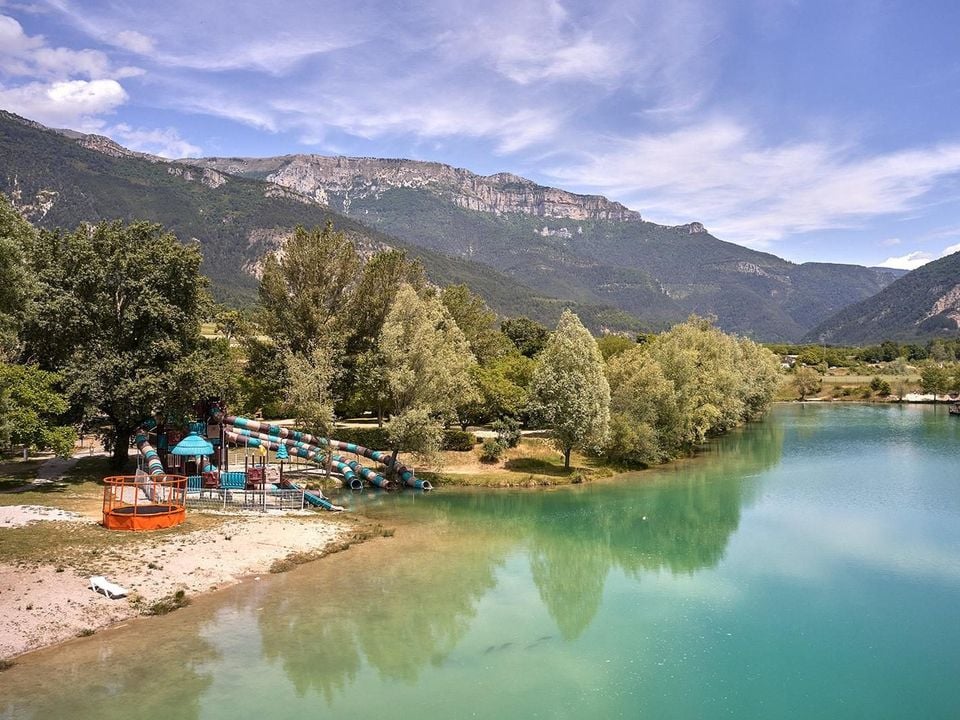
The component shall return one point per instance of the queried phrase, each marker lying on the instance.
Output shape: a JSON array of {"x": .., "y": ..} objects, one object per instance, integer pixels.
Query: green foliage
[
  {"x": 935, "y": 379},
  {"x": 492, "y": 450},
  {"x": 880, "y": 386},
  {"x": 17, "y": 237},
  {"x": 690, "y": 382},
  {"x": 307, "y": 393},
  {"x": 528, "y": 336},
  {"x": 611, "y": 345},
  {"x": 501, "y": 389},
  {"x": 117, "y": 313},
  {"x": 569, "y": 389},
  {"x": 30, "y": 410},
  {"x": 806, "y": 381},
  {"x": 458, "y": 440},
  {"x": 475, "y": 319},
  {"x": 303, "y": 292},
  {"x": 373, "y": 438},
  {"x": 508, "y": 431}
]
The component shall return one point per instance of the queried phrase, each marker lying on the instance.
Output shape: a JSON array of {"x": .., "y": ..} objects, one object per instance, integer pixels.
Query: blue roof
[
  {"x": 193, "y": 444},
  {"x": 282, "y": 453}
]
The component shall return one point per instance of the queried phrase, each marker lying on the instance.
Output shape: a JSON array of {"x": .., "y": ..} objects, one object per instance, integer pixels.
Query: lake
[{"x": 804, "y": 567}]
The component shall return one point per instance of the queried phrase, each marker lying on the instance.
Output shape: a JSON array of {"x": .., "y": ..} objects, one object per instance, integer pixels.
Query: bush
[
  {"x": 508, "y": 431},
  {"x": 373, "y": 438},
  {"x": 880, "y": 386},
  {"x": 492, "y": 450},
  {"x": 458, "y": 440}
]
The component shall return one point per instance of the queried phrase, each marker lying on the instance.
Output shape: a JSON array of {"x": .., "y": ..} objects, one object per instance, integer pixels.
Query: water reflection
[{"x": 115, "y": 676}]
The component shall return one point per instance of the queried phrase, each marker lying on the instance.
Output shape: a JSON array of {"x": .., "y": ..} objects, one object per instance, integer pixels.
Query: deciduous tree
[{"x": 569, "y": 388}]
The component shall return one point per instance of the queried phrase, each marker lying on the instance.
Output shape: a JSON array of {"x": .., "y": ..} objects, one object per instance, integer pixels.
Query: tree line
[{"x": 102, "y": 328}]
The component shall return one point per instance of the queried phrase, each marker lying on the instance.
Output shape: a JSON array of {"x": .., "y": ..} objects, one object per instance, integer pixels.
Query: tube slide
[
  {"x": 302, "y": 450},
  {"x": 403, "y": 472},
  {"x": 342, "y": 464},
  {"x": 154, "y": 466},
  {"x": 313, "y": 498}
]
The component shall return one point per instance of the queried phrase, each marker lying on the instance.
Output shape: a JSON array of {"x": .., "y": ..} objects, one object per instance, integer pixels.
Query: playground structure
[{"x": 194, "y": 469}]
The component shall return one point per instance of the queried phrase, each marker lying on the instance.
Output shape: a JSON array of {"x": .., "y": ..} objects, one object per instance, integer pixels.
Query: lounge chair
[{"x": 100, "y": 584}]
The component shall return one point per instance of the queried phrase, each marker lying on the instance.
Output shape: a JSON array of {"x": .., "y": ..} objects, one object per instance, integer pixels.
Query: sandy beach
[{"x": 43, "y": 604}]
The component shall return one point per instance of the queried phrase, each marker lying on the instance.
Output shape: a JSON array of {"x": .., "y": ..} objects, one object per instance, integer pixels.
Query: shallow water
[{"x": 805, "y": 567}]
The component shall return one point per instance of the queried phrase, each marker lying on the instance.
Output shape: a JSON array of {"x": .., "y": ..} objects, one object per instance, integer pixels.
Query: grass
[{"x": 534, "y": 463}]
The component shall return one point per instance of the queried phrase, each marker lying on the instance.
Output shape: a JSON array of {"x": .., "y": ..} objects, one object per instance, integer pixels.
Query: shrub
[
  {"x": 880, "y": 386},
  {"x": 492, "y": 450},
  {"x": 508, "y": 431},
  {"x": 458, "y": 440}
]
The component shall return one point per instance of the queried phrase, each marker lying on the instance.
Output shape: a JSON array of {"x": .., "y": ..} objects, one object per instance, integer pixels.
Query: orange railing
[{"x": 144, "y": 502}]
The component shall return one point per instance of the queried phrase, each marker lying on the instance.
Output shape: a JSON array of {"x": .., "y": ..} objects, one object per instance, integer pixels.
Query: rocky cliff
[{"x": 339, "y": 181}]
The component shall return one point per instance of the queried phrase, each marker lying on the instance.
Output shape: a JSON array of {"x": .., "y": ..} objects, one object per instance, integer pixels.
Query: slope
[
  {"x": 923, "y": 304},
  {"x": 60, "y": 179}
]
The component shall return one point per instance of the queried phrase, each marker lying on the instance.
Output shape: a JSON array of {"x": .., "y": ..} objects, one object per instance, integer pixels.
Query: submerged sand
[{"x": 43, "y": 605}]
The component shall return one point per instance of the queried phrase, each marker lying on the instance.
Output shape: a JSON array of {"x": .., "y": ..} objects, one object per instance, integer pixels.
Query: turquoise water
[{"x": 805, "y": 567}]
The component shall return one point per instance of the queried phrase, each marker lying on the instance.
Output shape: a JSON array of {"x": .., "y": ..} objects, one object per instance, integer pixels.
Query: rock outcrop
[{"x": 336, "y": 181}]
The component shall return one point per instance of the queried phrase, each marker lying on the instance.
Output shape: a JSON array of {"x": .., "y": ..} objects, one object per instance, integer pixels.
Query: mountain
[
  {"x": 62, "y": 178},
  {"x": 527, "y": 248},
  {"x": 923, "y": 304},
  {"x": 583, "y": 247}
]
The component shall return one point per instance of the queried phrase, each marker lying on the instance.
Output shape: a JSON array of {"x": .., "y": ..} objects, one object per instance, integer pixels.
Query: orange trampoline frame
[{"x": 165, "y": 503}]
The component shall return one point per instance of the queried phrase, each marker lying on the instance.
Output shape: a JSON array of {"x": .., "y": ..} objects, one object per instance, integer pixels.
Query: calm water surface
[{"x": 806, "y": 567}]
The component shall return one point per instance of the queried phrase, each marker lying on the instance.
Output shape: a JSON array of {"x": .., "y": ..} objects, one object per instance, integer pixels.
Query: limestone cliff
[{"x": 337, "y": 181}]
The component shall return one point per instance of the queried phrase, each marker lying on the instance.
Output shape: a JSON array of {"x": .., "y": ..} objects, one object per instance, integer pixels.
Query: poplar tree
[
  {"x": 569, "y": 389},
  {"x": 426, "y": 361}
]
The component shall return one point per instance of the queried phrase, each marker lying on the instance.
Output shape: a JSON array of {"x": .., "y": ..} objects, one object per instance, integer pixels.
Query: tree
[
  {"x": 806, "y": 381},
  {"x": 30, "y": 410},
  {"x": 569, "y": 388},
  {"x": 612, "y": 344},
  {"x": 644, "y": 415},
  {"x": 117, "y": 309},
  {"x": 308, "y": 393},
  {"x": 427, "y": 364},
  {"x": 303, "y": 292},
  {"x": 528, "y": 336},
  {"x": 935, "y": 379},
  {"x": 476, "y": 320},
  {"x": 17, "y": 237}
]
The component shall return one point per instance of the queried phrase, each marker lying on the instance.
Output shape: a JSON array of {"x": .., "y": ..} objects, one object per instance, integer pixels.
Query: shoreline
[{"x": 45, "y": 604}]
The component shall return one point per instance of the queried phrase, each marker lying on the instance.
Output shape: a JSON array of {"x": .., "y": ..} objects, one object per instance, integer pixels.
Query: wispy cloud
[
  {"x": 913, "y": 260},
  {"x": 757, "y": 193},
  {"x": 165, "y": 142}
]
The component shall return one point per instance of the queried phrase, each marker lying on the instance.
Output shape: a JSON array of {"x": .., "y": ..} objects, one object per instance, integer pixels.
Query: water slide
[
  {"x": 405, "y": 474},
  {"x": 312, "y": 498},
  {"x": 348, "y": 468}
]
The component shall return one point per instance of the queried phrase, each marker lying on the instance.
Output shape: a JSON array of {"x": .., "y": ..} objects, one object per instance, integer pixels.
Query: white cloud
[
  {"x": 890, "y": 242},
  {"x": 165, "y": 142},
  {"x": 23, "y": 55},
  {"x": 910, "y": 261},
  {"x": 913, "y": 260},
  {"x": 133, "y": 41},
  {"x": 750, "y": 192},
  {"x": 71, "y": 103}
]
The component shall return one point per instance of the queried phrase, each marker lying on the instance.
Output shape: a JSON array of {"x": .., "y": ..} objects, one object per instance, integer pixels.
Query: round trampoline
[{"x": 144, "y": 502}]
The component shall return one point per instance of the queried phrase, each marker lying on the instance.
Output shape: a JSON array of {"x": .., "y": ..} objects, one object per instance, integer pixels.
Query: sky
[{"x": 815, "y": 130}]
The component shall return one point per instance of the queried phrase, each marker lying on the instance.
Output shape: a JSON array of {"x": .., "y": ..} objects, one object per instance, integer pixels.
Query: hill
[
  {"x": 923, "y": 304},
  {"x": 579, "y": 246},
  {"x": 62, "y": 178}
]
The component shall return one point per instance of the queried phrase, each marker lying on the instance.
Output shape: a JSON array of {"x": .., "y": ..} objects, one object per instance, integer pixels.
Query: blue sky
[{"x": 814, "y": 130}]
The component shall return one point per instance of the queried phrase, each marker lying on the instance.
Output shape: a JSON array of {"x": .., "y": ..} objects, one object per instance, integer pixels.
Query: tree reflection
[{"x": 399, "y": 614}]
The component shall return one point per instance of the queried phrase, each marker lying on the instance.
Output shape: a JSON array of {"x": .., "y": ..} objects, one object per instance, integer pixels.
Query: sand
[{"x": 40, "y": 606}]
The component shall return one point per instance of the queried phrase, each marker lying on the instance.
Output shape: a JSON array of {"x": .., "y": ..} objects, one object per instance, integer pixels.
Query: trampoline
[{"x": 144, "y": 502}]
